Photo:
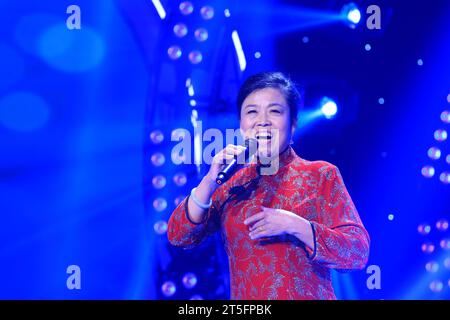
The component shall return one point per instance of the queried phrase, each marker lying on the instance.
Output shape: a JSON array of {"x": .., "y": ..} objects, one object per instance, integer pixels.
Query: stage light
[
  {"x": 424, "y": 229},
  {"x": 160, "y": 204},
  {"x": 257, "y": 55},
  {"x": 428, "y": 171},
  {"x": 168, "y": 288},
  {"x": 174, "y": 52},
  {"x": 201, "y": 34},
  {"x": 436, "y": 286},
  {"x": 440, "y": 135},
  {"x": 160, "y": 9},
  {"x": 420, "y": 62},
  {"x": 160, "y": 227},
  {"x": 445, "y": 116},
  {"x": 180, "y": 30},
  {"x": 178, "y": 200},
  {"x": 227, "y": 13},
  {"x": 445, "y": 244},
  {"x": 445, "y": 177},
  {"x": 381, "y": 100},
  {"x": 239, "y": 51},
  {"x": 196, "y": 297},
  {"x": 207, "y": 12},
  {"x": 428, "y": 248},
  {"x": 186, "y": 8},
  {"x": 159, "y": 182},
  {"x": 180, "y": 179},
  {"x": 432, "y": 266},
  {"x": 195, "y": 57},
  {"x": 447, "y": 158},
  {"x": 368, "y": 47},
  {"x": 158, "y": 159},
  {"x": 390, "y": 217},
  {"x": 442, "y": 225},
  {"x": 305, "y": 39},
  {"x": 189, "y": 280},
  {"x": 328, "y": 107},
  {"x": 351, "y": 13},
  {"x": 156, "y": 136},
  {"x": 193, "y": 103},
  {"x": 434, "y": 153}
]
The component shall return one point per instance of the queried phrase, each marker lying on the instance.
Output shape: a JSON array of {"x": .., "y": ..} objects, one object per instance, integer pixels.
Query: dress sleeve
[
  {"x": 183, "y": 232},
  {"x": 340, "y": 239}
]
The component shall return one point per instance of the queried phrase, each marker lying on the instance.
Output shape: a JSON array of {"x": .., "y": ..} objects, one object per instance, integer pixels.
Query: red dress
[{"x": 281, "y": 267}]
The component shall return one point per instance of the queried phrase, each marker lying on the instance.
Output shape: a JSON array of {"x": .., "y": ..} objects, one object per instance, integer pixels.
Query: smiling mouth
[{"x": 263, "y": 136}]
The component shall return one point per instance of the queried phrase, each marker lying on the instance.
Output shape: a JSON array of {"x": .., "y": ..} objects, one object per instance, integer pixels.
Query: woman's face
[{"x": 265, "y": 115}]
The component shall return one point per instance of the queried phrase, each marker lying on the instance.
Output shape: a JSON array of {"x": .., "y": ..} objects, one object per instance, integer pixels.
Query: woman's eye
[
  {"x": 276, "y": 111},
  {"x": 251, "y": 111}
]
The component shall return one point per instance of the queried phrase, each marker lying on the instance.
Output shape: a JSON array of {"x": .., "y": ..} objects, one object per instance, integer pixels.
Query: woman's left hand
[{"x": 272, "y": 222}]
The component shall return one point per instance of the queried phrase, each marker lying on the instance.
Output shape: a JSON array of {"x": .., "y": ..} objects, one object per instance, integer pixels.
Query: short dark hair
[{"x": 275, "y": 80}]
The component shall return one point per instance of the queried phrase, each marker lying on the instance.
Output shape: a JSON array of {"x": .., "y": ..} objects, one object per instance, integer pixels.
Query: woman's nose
[{"x": 263, "y": 121}]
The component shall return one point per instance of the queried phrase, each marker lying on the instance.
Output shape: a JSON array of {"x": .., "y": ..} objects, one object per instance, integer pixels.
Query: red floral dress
[{"x": 281, "y": 267}]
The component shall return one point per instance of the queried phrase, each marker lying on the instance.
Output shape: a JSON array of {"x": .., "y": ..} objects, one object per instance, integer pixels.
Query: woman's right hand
[{"x": 220, "y": 160}]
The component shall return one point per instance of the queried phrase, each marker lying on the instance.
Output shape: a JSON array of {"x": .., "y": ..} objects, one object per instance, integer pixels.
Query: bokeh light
[
  {"x": 189, "y": 280},
  {"x": 428, "y": 171},
  {"x": 207, "y": 12},
  {"x": 72, "y": 52},
  {"x": 180, "y": 30},
  {"x": 201, "y": 34},
  {"x": 158, "y": 159},
  {"x": 174, "y": 52},
  {"x": 440, "y": 135},
  {"x": 160, "y": 204},
  {"x": 424, "y": 229},
  {"x": 186, "y": 7},
  {"x": 195, "y": 57},
  {"x": 178, "y": 200},
  {"x": 432, "y": 266},
  {"x": 442, "y": 225},
  {"x": 159, "y": 182},
  {"x": 436, "y": 286},
  {"x": 160, "y": 227},
  {"x": 156, "y": 137},
  {"x": 445, "y": 116},
  {"x": 447, "y": 263},
  {"x": 445, "y": 244},
  {"x": 180, "y": 179},
  {"x": 428, "y": 247},
  {"x": 168, "y": 288},
  {"x": 434, "y": 153},
  {"x": 445, "y": 177}
]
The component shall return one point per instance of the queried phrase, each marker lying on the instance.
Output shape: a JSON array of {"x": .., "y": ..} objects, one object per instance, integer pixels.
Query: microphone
[{"x": 251, "y": 145}]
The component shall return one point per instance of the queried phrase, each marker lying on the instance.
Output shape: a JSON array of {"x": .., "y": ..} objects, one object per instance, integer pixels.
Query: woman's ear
[{"x": 294, "y": 126}]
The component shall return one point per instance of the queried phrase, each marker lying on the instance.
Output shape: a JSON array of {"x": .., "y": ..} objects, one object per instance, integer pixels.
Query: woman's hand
[
  {"x": 273, "y": 222},
  {"x": 221, "y": 159}
]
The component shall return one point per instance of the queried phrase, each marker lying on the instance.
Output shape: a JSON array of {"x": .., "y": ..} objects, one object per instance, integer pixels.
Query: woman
[{"x": 283, "y": 231}]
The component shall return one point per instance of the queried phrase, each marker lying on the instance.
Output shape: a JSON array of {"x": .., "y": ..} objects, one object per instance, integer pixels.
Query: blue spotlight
[
  {"x": 351, "y": 13},
  {"x": 328, "y": 107}
]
